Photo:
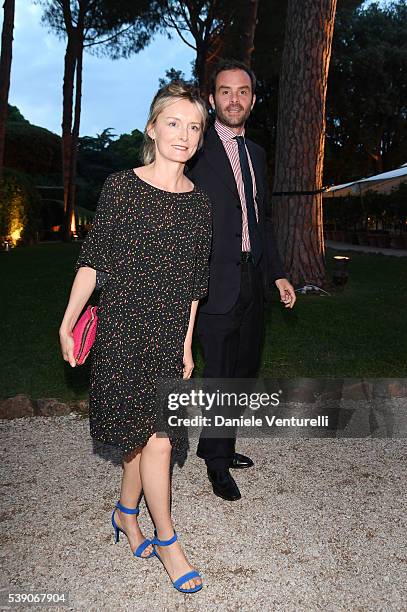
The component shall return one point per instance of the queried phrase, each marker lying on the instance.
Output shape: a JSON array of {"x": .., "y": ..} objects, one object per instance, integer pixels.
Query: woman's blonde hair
[{"x": 176, "y": 90}]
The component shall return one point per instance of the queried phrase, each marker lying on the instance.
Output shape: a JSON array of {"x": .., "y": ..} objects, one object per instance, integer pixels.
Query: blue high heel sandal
[
  {"x": 117, "y": 529},
  {"x": 188, "y": 576}
]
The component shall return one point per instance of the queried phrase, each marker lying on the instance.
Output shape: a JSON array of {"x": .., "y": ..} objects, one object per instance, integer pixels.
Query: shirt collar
[{"x": 225, "y": 133}]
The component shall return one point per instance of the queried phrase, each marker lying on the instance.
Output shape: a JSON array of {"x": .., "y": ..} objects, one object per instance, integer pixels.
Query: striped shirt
[{"x": 227, "y": 137}]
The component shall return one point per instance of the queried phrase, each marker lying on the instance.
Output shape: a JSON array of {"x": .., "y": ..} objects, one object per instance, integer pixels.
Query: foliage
[
  {"x": 353, "y": 211},
  {"x": 95, "y": 162},
  {"x": 367, "y": 93},
  {"x": 268, "y": 47},
  {"x": 29, "y": 148},
  {"x": 202, "y": 25},
  {"x": 113, "y": 28},
  {"x": 37, "y": 152},
  {"x": 126, "y": 150},
  {"x": 102, "y": 27},
  {"x": 52, "y": 213},
  {"x": 366, "y": 102},
  {"x": 19, "y": 207},
  {"x": 88, "y": 191},
  {"x": 172, "y": 75},
  {"x": 98, "y": 143},
  {"x": 14, "y": 115}
]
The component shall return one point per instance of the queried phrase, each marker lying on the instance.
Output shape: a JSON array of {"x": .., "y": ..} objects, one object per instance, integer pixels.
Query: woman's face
[{"x": 177, "y": 131}]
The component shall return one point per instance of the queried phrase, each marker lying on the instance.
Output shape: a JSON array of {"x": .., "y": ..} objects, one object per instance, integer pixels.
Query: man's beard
[{"x": 230, "y": 121}]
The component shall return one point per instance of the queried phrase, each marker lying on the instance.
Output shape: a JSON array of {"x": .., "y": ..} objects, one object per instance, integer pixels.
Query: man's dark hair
[{"x": 226, "y": 64}]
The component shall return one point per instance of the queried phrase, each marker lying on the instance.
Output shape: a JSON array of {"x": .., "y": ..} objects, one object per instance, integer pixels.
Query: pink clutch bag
[{"x": 84, "y": 334}]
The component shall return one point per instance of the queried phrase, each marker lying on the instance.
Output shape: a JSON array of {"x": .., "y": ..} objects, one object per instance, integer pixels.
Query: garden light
[{"x": 340, "y": 273}]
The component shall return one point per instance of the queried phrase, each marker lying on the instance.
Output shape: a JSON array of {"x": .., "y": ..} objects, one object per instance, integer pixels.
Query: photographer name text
[{"x": 252, "y": 421}]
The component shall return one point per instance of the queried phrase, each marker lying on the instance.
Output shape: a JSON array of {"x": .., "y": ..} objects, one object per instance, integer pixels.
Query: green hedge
[{"x": 353, "y": 211}]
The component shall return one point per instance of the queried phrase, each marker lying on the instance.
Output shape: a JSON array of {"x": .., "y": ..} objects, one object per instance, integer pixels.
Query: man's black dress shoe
[
  {"x": 224, "y": 485},
  {"x": 241, "y": 461}
]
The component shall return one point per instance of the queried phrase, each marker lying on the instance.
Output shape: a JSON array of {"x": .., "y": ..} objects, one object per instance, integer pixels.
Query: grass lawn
[{"x": 358, "y": 332}]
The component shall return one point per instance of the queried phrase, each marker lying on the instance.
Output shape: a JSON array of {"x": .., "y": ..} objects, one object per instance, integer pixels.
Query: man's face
[{"x": 234, "y": 98}]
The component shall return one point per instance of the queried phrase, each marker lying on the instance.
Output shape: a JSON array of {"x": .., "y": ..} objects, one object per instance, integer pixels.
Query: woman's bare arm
[{"x": 188, "y": 360}]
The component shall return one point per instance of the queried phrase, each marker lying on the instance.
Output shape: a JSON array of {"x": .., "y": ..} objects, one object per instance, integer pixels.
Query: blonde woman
[{"x": 151, "y": 238}]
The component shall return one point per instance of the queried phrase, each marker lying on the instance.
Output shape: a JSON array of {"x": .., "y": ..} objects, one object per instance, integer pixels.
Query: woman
[{"x": 151, "y": 239}]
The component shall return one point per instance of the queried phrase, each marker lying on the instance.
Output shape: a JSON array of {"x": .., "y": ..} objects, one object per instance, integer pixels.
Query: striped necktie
[{"x": 255, "y": 241}]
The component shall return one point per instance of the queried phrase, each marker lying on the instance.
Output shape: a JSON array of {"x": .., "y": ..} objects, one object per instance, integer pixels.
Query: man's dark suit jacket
[{"x": 210, "y": 169}]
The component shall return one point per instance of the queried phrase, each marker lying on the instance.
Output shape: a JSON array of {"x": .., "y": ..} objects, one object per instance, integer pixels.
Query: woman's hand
[
  {"x": 67, "y": 346},
  {"x": 82, "y": 288},
  {"x": 188, "y": 361}
]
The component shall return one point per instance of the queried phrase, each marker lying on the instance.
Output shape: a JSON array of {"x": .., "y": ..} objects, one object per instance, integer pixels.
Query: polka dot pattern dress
[{"x": 153, "y": 246}]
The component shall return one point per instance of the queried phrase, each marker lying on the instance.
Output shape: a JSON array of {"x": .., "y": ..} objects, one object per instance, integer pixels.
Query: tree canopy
[{"x": 367, "y": 92}]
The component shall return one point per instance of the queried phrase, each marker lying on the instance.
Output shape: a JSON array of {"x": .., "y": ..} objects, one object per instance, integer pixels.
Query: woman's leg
[
  {"x": 155, "y": 478},
  {"x": 130, "y": 496}
]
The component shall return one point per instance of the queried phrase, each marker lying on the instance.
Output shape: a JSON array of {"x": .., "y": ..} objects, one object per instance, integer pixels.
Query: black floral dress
[{"x": 153, "y": 246}]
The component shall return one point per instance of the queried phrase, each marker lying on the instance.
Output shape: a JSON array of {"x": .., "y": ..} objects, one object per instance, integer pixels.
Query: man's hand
[{"x": 287, "y": 293}]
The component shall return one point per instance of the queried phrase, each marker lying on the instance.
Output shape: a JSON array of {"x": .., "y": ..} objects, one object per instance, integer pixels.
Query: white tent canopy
[{"x": 382, "y": 183}]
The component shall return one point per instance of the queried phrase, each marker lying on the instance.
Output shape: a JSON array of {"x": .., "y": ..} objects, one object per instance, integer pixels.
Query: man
[{"x": 232, "y": 171}]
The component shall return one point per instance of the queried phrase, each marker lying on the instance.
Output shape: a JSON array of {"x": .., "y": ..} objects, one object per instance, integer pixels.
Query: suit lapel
[{"x": 217, "y": 158}]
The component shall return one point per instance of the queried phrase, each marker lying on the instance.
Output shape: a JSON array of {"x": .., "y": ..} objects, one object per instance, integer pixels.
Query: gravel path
[{"x": 321, "y": 525}]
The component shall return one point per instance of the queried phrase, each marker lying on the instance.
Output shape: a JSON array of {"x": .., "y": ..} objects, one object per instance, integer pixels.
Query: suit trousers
[{"x": 232, "y": 344}]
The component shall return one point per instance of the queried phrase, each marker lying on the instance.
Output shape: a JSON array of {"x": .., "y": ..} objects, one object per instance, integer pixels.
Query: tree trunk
[
  {"x": 5, "y": 69},
  {"x": 210, "y": 57},
  {"x": 249, "y": 30},
  {"x": 70, "y": 211},
  {"x": 300, "y": 139},
  {"x": 68, "y": 92},
  {"x": 201, "y": 73}
]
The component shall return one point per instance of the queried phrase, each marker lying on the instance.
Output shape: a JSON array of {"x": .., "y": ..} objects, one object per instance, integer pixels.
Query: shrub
[{"x": 20, "y": 207}]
